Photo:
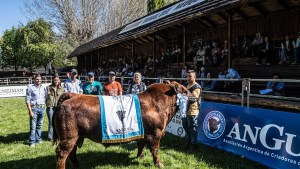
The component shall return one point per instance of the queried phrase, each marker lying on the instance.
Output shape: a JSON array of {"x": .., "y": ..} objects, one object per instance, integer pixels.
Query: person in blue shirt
[
  {"x": 36, "y": 95},
  {"x": 72, "y": 84},
  {"x": 91, "y": 86},
  {"x": 209, "y": 84},
  {"x": 277, "y": 87},
  {"x": 231, "y": 86}
]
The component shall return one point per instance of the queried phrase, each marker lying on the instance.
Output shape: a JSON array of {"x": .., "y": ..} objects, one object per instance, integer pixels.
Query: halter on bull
[{"x": 77, "y": 117}]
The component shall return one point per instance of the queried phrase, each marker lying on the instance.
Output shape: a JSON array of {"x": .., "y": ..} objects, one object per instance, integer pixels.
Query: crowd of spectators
[{"x": 201, "y": 55}]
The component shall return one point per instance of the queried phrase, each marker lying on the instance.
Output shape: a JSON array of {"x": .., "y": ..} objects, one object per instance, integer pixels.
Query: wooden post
[
  {"x": 91, "y": 61},
  {"x": 117, "y": 51},
  {"x": 98, "y": 60},
  {"x": 132, "y": 50},
  {"x": 183, "y": 48},
  {"x": 154, "y": 53},
  {"x": 230, "y": 14},
  {"x": 107, "y": 57},
  {"x": 85, "y": 62}
]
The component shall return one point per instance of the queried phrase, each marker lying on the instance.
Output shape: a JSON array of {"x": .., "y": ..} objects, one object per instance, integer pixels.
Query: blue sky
[{"x": 11, "y": 14}]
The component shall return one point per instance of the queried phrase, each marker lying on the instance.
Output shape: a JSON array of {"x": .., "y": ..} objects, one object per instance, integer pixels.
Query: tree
[
  {"x": 122, "y": 12},
  {"x": 154, "y": 5},
  {"x": 10, "y": 48},
  {"x": 31, "y": 46},
  {"x": 77, "y": 20},
  {"x": 83, "y": 20}
]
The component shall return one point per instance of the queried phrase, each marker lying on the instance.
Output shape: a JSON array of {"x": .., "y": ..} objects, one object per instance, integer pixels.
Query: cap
[
  {"x": 112, "y": 73},
  {"x": 202, "y": 68},
  {"x": 91, "y": 74},
  {"x": 74, "y": 71}
]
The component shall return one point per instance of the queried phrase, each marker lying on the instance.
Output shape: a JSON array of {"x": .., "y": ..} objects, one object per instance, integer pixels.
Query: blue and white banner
[
  {"x": 269, "y": 137},
  {"x": 121, "y": 118},
  {"x": 175, "y": 126}
]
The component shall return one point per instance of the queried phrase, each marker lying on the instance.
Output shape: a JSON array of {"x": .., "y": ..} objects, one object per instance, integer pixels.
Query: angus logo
[
  {"x": 214, "y": 124},
  {"x": 121, "y": 114}
]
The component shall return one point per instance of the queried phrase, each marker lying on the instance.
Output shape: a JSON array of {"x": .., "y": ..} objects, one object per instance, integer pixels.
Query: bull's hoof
[
  {"x": 159, "y": 165},
  {"x": 141, "y": 156}
]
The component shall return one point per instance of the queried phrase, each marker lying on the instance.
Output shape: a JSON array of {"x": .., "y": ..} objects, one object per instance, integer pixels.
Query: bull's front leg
[
  {"x": 141, "y": 145},
  {"x": 154, "y": 145}
]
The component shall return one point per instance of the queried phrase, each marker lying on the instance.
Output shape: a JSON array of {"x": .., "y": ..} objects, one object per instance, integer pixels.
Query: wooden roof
[{"x": 210, "y": 13}]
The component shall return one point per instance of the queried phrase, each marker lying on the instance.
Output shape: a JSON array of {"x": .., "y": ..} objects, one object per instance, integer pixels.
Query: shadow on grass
[
  {"x": 14, "y": 138},
  {"x": 210, "y": 155},
  {"x": 86, "y": 161},
  {"x": 11, "y": 138}
]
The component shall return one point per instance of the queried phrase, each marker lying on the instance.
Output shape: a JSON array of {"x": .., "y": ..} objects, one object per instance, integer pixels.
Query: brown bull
[{"x": 77, "y": 117}]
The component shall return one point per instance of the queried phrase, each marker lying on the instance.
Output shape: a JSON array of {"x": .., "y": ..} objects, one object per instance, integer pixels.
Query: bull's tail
[{"x": 62, "y": 98}]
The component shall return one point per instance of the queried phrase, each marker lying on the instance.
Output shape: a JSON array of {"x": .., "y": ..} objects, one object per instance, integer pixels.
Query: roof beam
[
  {"x": 202, "y": 24},
  {"x": 242, "y": 14},
  {"x": 159, "y": 37},
  {"x": 124, "y": 46},
  {"x": 138, "y": 42},
  {"x": 210, "y": 22},
  {"x": 145, "y": 40},
  {"x": 283, "y": 4},
  {"x": 261, "y": 9},
  {"x": 149, "y": 38},
  {"x": 222, "y": 16},
  {"x": 127, "y": 43}
]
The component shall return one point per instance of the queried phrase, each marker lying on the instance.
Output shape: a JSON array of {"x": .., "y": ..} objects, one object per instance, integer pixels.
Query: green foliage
[
  {"x": 32, "y": 46},
  {"x": 16, "y": 154},
  {"x": 154, "y": 5}
]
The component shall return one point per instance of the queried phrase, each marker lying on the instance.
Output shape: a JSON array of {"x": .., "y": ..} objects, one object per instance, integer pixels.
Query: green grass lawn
[{"x": 15, "y": 152}]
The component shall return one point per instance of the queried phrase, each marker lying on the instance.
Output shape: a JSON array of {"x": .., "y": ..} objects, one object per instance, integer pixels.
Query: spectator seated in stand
[
  {"x": 209, "y": 84},
  {"x": 286, "y": 49},
  {"x": 257, "y": 44},
  {"x": 231, "y": 73},
  {"x": 274, "y": 88},
  {"x": 220, "y": 85},
  {"x": 216, "y": 54},
  {"x": 267, "y": 52},
  {"x": 296, "y": 44},
  {"x": 246, "y": 47}
]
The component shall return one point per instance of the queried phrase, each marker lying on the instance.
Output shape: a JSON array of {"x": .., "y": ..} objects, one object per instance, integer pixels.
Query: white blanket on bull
[{"x": 121, "y": 118}]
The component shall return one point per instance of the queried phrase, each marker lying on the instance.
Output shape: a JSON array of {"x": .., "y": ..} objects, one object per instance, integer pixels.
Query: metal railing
[
  {"x": 245, "y": 89},
  {"x": 247, "y": 86}
]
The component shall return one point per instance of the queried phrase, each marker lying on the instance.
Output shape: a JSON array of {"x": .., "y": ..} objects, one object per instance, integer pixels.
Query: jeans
[
  {"x": 36, "y": 125},
  {"x": 283, "y": 54},
  {"x": 296, "y": 55},
  {"x": 50, "y": 111},
  {"x": 190, "y": 124}
]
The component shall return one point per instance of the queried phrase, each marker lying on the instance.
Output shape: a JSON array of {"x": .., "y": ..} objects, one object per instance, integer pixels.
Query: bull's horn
[{"x": 167, "y": 81}]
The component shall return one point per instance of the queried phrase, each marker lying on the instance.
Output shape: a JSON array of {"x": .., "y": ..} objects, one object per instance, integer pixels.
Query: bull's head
[
  {"x": 179, "y": 88},
  {"x": 213, "y": 125}
]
